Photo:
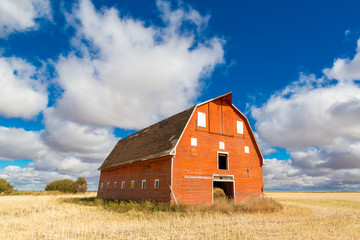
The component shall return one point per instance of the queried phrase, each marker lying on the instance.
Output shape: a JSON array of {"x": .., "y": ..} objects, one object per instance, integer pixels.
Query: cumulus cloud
[
  {"x": 317, "y": 121},
  {"x": 130, "y": 74},
  {"x": 22, "y": 92},
  {"x": 122, "y": 72},
  {"x": 21, "y": 15},
  {"x": 345, "y": 68},
  {"x": 16, "y": 143}
]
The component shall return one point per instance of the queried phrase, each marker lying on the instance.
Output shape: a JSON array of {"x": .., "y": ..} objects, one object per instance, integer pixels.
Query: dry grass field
[{"x": 304, "y": 216}]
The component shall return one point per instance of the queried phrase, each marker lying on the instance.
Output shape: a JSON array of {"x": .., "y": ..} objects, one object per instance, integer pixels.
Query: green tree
[
  {"x": 63, "y": 185},
  {"x": 80, "y": 185},
  {"x": 5, "y": 186}
]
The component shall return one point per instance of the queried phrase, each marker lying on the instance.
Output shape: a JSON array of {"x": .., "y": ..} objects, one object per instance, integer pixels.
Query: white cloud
[
  {"x": 19, "y": 144},
  {"x": 317, "y": 121},
  {"x": 22, "y": 93},
  {"x": 131, "y": 75},
  {"x": 90, "y": 143},
  {"x": 345, "y": 68},
  {"x": 21, "y": 15},
  {"x": 305, "y": 115}
]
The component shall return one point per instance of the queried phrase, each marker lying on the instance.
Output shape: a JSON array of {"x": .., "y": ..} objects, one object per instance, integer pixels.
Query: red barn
[{"x": 183, "y": 157}]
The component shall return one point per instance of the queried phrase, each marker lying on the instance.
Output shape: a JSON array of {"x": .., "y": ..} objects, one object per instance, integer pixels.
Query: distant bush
[
  {"x": 68, "y": 185},
  {"x": 5, "y": 186}
]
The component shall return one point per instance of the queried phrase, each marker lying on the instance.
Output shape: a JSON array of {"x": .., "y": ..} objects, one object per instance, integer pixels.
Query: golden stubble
[{"x": 304, "y": 216}]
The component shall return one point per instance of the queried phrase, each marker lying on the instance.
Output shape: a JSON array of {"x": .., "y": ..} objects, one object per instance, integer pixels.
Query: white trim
[
  {"x": 239, "y": 127},
  {"x": 252, "y": 133},
  {"x": 123, "y": 185},
  {"x": 108, "y": 186},
  {"x": 246, "y": 149},
  {"x": 143, "y": 184},
  {"x": 171, "y": 176},
  {"x": 114, "y": 185},
  {"x": 158, "y": 185},
  {"x": 212, "y": 186},
  {"x": 221, "y": 145},
  {"x": 227, "y": 159},
  {"x": 101, "y": 185},
  {"x": 197, "y": 177},
  {"x": 174, "y": 148}
]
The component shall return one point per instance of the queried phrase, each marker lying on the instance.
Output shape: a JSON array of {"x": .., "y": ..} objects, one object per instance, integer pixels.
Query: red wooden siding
[
  {"x": 149, "y": 170},
  {"x": 194, "y": 166}
]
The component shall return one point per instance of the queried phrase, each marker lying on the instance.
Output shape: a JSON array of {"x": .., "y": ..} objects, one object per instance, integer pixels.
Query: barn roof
[
  {"x": 160, "y": 139},
  {"x": 154, "y": 141}
]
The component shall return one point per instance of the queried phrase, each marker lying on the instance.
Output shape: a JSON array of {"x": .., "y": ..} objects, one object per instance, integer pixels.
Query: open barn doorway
[{"x": 227, "y": 187}]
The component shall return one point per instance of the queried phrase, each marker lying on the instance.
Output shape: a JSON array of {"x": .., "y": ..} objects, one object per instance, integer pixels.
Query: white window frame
[
  {"x": 114, "y": 185},
  {"x": 239, "y": 127},
  {"x": 101, "y": 185},
  {"x": 143, "y": 184},
  {"x": 193, "y": 141},
  {"x": 156, "y": 186},
  {"x": 123, "y": 185},
  {"x": 108, "y": 186},
  {"x": 132, "y": 184},
  {"x": 227, "y": 160},
  {"x": 201, "y": 120},
  {"x": 247, "y": 149},
  {"x": 221, "y": 145}
]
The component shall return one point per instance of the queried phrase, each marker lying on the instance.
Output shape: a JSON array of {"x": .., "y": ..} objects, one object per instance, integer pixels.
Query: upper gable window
[
  {"x": 201, "y": 121},
  {"x": 239, "y": 127}
]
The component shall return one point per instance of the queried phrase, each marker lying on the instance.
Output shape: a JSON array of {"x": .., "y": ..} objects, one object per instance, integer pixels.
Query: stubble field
[{"x": 303, "y": 216}]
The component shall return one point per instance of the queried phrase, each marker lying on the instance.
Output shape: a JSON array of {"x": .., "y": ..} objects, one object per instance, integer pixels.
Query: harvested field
[{"x": 303, "y": 216}]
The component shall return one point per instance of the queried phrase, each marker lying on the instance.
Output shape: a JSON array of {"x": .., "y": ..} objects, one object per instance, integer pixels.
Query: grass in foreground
[
  {"x": 327, "y": 216},
  {"x": 223, "y": 205}
]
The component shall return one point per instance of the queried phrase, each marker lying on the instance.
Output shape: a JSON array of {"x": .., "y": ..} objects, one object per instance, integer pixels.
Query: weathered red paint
[{"x": 190, "y": 171}]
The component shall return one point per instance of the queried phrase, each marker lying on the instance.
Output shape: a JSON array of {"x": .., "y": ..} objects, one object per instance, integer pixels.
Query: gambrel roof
[
  {"x": 154, "y": 141},
  {"x": 158, "y": 140}
]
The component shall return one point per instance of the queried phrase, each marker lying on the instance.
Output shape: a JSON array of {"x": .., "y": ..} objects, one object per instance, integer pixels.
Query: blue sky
[{"x": 75, "y": 76}]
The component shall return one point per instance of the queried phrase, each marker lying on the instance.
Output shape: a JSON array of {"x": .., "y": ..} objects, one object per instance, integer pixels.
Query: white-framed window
[
  {"x": 132, "y": 184},
  {"x": 156, "y": 184},
  {"x": 108, "y": 185},
  {"x": 143, "y": 184},
  {"x": 201, "y": 121},
  {"x": 123, "y": 185},
  {"x": 221, "y": 145},
  {"x": 193, "y": 141},
  {"x": 223, "y": 161},
  {"x": 114, "y": 185},
  {"x": 101, "y": 185},
  {"x": 247, "y": 150},
  {"x": 239, "y": 127}
]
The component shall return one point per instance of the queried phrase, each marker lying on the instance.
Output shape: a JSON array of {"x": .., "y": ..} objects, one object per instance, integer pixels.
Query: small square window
[
  {"x": 132, "y": 184},
  {"x": 114, "y": 185},
  {"x": 143, "y": 184},
  {"x": 193, "y": 141},
  {"x": 108, "y": 185},
  {"x": 239, "y": 127},
  {"x": 102, "y": 185},
  {"x": 247, "y": 150},
  {"x": 156, "y": 184},
  {"x": 201, "y": 119},
  {"x": 221, "y": 145},
  {"x": 123, "y": 185},
  {"x": 223, "y": 161}
]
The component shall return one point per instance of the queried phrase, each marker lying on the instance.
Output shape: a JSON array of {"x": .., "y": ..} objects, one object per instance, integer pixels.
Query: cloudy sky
[{"x": 76, "y": 76}]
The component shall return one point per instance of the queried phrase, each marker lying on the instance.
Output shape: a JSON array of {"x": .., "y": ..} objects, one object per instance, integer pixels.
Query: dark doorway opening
[{"x": 227, "y": 187}]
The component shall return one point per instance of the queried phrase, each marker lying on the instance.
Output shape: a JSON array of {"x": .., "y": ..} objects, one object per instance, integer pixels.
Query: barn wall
[
  {"x": 149, "y": 170},
  {"x": 194, "y": 166}
]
